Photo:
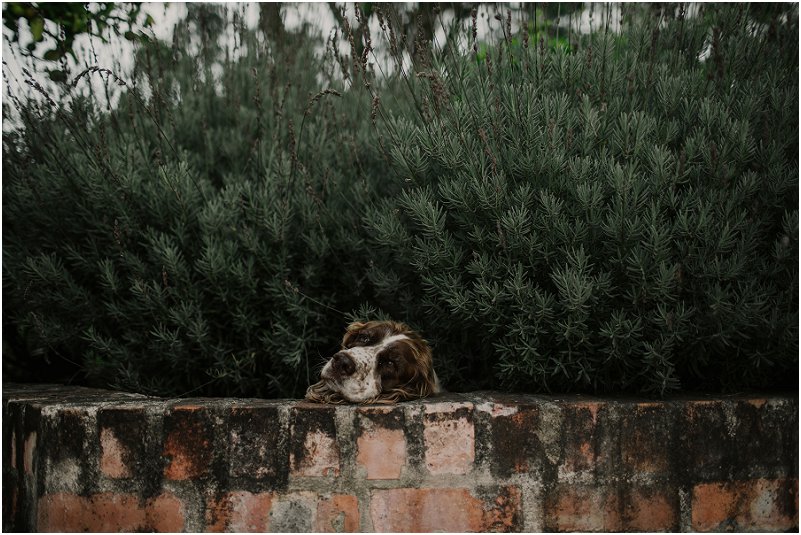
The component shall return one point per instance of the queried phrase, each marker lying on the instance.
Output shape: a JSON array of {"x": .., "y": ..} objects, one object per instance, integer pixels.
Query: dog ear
[
  {"x": 320, "y": 392},
  {"x": 351, "y": 331},
  {"x": 424, "y": 382},
  {"x": 355, "y": 326}
]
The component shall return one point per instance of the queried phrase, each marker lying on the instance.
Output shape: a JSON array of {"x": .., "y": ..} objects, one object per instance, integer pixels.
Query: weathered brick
[
  {"x": 28, "y": 452},
  {"x": 302, "y": 511},
  {"x": 449, "y": 438},
  {"x": 313, "y": 450},
  {"x": 12, "y": 480},
  {"x": 586, "y": 449},
  {"x": 646, "y": 439},
  {"x": 13, "y": 450},
  {"x": 10, "y": 509},
  {"x": 61, "y": 449},
  {"x": 514, "y": 436},
  {"x": 239, "y": 511},
  {"x": 124, "y": 437},
  {"x": 188, "y": 442},
  {"x": 570, "y": 507},
  {"x": 705, "y": 439},
  {"x": 382, "y": 452},
  {"x": 294, "y": 512},
  {"x": 651, "y": 509},
  {"x": 765, "y": 441},
  {"x": 583, "y": 465},
  {"x": 258, "y": 446},
  {"x": 381, "y": 445},
  {"x": 109, "y": 512},
  {"x": 502, "y": 508},
  {"x": 67, "y": 433},
  {"x": 445, "y": 509},
  {"x": 112, "y": 456},
  {"x": 20, "y": 428},
  {"x": 165, "y": 513},
  {"x": 756, "y": 505},
  {"x": 337, "y": 514}
]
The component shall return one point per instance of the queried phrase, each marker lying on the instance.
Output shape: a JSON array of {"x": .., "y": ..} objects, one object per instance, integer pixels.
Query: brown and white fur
[{"x": 379, "y": 362}]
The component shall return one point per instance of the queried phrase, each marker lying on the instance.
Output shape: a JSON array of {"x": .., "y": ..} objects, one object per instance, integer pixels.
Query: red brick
[
  {"x": 10, "y": 517},
  {"x": 337, "y": 514},
  {"x": 515, "y": 437},
  {"x": 27, "y": 454},
  {"x": 503, "y": 513},
  {"x": 62, "y": 447},
  {"x": 243, "y": 511},
  {"x": 112, "y": 453},
  {"x": 239, "y": 511},
  {"x": 756, "y": 505},
  {"x": 187, "y": 443},
  {"x": 382, "y": 452},
  {"x": 444, "y": 509},
  {"x": 320, "y": 456},
  {"x": 705, "y": 437},
  {"x": 764, "y": 441},
  {"x": 165, "y": 513},
  {"x": 313, "y": 448},
  {"x": 646, "y": 439},
  {"x": 584, "y": 448},
  {"x": 258, "y": 445},
  {"x": 651, "y": 509},
  {"x": 758, "y": 403},
  {"x": 108, "y": 512},
  {"x": 13, "y": 450},
  {"x": 582, "y": 508},
  {"x": 449, "y": 438},
  {"x": 126, "y": 441}
]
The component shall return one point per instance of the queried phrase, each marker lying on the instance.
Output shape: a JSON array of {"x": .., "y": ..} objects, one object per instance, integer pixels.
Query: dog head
[{"x": 379, "y": 362}]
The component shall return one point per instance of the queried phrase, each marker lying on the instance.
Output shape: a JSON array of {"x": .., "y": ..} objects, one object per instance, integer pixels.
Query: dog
[{"x": 379, "y": 362}]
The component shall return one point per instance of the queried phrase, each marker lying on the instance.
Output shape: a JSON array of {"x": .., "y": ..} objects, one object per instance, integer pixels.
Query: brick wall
[{"x": 76, "y": 459}]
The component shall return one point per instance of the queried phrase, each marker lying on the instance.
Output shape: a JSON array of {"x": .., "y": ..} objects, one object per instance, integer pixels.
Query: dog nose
[{"x": 343, "y": 365}]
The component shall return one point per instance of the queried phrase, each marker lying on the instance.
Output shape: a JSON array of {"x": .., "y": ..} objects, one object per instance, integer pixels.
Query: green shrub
[
  {"x": 619, "y": 218},
  {"x": 197, "y": 240},
  {"x": 612, "y": 215}
]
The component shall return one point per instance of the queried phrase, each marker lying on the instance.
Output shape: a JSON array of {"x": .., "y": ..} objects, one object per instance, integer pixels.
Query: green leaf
[
  {"x": 53, "y": 55},
  {"x": 130, "y": 35},
  {"x": 148, "y": 21},
  {"x": 12, "y": 24},
  {"x": 79, "y": 25},
  {"x": 37, "y": 28},
  {"x": 483, "y": 50},
  {"x": 57, "y": 76}
]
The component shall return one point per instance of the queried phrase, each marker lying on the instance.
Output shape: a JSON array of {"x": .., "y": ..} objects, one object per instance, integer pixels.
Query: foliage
[
  {"x": 62, "y": 22},
  {"x": 620, "y": 218},
  {"x": 617, "y": 214},
  {"x": 194, "y": 240}
]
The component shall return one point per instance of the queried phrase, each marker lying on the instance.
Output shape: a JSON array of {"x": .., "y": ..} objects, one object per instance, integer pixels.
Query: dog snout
[{"x": 343, "y": 364}]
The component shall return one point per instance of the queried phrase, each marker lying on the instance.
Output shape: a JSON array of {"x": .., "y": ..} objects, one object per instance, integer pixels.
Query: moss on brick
[{"x": 541, "y": 463}]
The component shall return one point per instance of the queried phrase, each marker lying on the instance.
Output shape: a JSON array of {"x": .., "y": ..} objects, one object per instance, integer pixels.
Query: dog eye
[{"x": 364, "y": 338}]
